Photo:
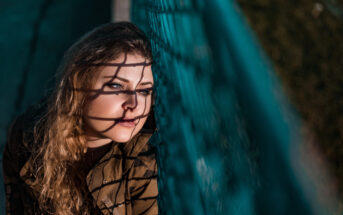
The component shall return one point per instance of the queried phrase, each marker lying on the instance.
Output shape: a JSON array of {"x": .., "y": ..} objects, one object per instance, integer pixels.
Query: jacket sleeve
[
  {"x": 143, "y": 189},
  {"x": 18, "y": 199}
]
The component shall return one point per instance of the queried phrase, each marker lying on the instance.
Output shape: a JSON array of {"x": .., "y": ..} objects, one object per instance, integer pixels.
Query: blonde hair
[{"x": 60, "y": 132}]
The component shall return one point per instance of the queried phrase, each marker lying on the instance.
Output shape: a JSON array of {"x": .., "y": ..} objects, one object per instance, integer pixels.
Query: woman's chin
[{"x": 122, "y": 135}]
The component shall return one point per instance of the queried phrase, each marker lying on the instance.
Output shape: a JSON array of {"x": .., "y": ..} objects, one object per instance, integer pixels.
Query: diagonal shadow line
[
  {"x": 100, "y": 91},
  {"x": 113, "y": 119},
  {"x": 122, "y": 65}
]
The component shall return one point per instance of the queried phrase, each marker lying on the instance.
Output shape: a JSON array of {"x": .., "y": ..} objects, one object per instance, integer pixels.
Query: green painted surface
[{"x": 34, "y": 35}]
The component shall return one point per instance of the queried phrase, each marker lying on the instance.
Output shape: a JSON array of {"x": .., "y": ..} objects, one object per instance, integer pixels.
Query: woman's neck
[{"x": 93, "y": 142}]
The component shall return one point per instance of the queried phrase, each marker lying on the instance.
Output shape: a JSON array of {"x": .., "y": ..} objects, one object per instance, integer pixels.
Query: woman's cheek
[
  {"x": 105, "y": 107},
  {"x": 108, "y": 106},
  {"x": 144, "y": 104}
]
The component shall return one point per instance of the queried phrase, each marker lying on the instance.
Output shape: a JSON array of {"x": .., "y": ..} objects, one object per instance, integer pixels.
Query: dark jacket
[{"x": 124, "y": 180}]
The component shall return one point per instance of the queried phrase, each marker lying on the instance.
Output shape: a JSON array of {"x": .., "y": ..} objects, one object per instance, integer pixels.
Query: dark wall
[
  {"x": 304, "y": 40},
  {"x": 34, "y": 34}
]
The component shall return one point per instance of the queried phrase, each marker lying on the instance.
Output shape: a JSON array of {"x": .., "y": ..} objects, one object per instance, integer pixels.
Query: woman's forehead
[{"x": 130, "y": 67}]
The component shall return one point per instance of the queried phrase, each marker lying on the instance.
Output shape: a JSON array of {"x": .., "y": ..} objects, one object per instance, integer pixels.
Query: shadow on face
[{"x": 120, "y": 100}]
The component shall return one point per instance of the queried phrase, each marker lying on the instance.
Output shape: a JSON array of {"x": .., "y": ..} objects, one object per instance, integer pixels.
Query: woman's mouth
[{"x": 128, "y": 122}]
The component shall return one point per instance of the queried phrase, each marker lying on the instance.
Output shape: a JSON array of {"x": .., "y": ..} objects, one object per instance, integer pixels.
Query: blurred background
[{"x": 249, "y": 94}]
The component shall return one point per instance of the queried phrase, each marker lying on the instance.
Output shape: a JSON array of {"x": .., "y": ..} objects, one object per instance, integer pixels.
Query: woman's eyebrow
[
  {"x": 125, "y": 80},
  {"x": 116, "y": 77},
  {"x": 146, "y": 83}
]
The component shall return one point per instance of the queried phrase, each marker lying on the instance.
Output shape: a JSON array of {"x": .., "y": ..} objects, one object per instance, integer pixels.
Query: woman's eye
[
  {"x": 114, "y": 85},
  {"x": 145, "y": 92}
]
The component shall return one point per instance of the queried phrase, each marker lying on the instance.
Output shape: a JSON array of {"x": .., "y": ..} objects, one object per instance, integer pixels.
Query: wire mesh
[{"x": 227, "y": 137}]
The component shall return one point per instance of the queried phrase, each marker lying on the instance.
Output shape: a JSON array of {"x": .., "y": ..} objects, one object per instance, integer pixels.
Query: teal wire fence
[{"x": 227, "y": 135}]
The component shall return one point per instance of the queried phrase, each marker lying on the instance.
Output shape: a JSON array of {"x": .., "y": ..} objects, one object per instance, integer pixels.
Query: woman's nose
[{"x": 130, "y": 101}]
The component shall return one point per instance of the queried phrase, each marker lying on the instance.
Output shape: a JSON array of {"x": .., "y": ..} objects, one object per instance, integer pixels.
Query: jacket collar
[{"x": 112, "y": 165}]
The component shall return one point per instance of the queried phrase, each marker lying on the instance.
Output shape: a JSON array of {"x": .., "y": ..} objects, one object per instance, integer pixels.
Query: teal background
[
  {"x": 34, "y": 34},
  {"x": 228, "y": 138}
]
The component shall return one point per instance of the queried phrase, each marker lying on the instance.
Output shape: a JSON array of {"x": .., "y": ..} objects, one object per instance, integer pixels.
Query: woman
[{"x": 85, "y": 150}]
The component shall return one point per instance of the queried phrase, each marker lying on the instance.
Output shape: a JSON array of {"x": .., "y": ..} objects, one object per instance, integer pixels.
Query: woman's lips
[{"x": 128, "y": 123}]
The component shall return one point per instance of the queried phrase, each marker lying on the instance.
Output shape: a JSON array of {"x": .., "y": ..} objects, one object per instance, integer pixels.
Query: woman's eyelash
[
  {"x": 146, "y": 91},
  {"x": 114, "y": 85}
]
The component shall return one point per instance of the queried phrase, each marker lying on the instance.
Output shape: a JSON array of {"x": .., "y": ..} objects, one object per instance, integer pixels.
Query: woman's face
[{"x": 120, "y": 100}]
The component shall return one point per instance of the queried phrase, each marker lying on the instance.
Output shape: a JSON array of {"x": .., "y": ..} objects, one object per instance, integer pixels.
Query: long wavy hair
[{"x": 60, "y": 132}]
